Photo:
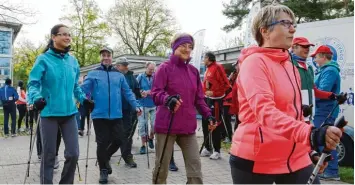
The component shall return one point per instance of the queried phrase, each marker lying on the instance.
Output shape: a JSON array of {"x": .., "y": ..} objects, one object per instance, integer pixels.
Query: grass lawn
[
  {"x": 346, "y": 173},
  {"x": 1, "y": 117},
  {"x": 2, "y": 124}
]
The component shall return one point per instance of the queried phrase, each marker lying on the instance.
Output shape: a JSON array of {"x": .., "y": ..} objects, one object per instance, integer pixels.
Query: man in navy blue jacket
[
  {"x": 9, "y": 96},
  {"x": 128, "y": 113},
  {"x": 108, "y": 87}
]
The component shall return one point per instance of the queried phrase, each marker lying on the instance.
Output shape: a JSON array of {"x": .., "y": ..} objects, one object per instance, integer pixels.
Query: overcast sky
[{"x": 191, "y": 15}]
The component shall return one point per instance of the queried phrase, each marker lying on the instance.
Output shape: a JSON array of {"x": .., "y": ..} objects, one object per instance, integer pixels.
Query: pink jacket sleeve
[{"x": 255, "y": 82}]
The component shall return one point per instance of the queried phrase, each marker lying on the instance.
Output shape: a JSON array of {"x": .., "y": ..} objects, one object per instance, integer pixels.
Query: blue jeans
[
  {"x": 148, "y": 115},
  {"x": 333, "y": 168}
]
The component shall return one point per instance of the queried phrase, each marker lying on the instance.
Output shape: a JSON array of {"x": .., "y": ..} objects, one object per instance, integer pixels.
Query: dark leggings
[
  {"x": 298, "y": 177},
  {"x": 228, "y": 124},
  {"x": 22, "y": 112},
  {"x": 216, "y": 134}
]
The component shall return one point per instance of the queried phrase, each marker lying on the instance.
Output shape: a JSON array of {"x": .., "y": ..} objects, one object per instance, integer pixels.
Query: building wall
[{"x": 5, "y": 54}]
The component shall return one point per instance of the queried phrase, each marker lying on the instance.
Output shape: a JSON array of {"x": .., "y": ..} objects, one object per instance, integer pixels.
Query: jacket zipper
[
  {"x": 297, "y": 113},
  {"x": 261, "y": 136},
  {"x": 109, "y": 94},
  {"x": 65, "y": 83}
]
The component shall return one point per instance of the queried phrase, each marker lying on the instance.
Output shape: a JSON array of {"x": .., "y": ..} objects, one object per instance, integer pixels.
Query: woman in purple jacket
[{"x": 177, "y": 90}]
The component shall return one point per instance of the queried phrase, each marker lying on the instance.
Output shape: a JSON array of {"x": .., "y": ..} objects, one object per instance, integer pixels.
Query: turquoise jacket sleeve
[
  {"x": 78, "y": 93},
  {"x": 327, "y": 80},
  {"x": 35, "y": 79}
]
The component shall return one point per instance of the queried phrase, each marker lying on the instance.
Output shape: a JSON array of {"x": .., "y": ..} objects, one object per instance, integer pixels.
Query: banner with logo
[{"x": 199, "y": 38}]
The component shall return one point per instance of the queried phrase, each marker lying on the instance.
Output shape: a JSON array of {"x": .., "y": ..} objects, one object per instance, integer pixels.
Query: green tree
[
  {"x": 88, "y": 30},
  {"x": 24, "y": 57},
  {"x": 144, "y": 27},
  {"x": 305, "y": 10}
]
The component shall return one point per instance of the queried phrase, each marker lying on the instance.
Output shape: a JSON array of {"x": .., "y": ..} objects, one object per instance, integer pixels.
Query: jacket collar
[
  {"x": 56, "y": 54},
  {"x": 178, "y": 61}
]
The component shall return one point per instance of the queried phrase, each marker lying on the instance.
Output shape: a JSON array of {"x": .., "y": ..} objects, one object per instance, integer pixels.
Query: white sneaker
[
  {"x": 205, "y": 153},
  {"x": 21, "y": 129},
  {"x": 215, "y": 156},
  {"x": 56, "y": 163}
]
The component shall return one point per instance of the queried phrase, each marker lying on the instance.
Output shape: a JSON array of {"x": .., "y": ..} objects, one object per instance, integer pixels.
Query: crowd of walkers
[{"x": 277, "y": 137}]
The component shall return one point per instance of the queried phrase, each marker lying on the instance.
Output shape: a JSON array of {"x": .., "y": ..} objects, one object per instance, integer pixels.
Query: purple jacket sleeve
[
  {"x": 200, "y": 103},
  {"x": 158, "y": 92}
]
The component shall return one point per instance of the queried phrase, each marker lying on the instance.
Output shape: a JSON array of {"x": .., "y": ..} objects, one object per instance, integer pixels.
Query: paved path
[{"x": 14, "y": 156}]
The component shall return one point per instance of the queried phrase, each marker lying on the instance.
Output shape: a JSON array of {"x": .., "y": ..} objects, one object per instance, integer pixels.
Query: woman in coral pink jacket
[{"x": 272, "y": 142}]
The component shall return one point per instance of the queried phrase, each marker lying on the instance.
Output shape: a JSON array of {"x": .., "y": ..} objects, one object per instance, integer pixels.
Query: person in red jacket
[
  {"x": 228, "y": 107},
  {"x": 234, "y": 107},
  {"x": 215, "y": 85}
]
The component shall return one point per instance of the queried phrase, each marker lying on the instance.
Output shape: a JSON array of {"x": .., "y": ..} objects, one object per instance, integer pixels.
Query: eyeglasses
[
  {"x": 285, "y": 23},
  {"x": 64, "y": 34}
]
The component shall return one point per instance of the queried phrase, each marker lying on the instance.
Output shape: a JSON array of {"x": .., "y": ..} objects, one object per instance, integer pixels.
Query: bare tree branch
[{"x": 142, "y": 24}]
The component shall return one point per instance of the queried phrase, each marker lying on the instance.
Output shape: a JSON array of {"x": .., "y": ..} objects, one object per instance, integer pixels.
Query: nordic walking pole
[
  {"x": 166, "y": 141},
  {"x": 31, "y": 148},
  {"x": 130, "y": 136},
  {"x": 77, "y": 165},
  {"x": 146, "y": 138},
  {"x": 87, "y": 151},
  {"x": 340, "y": 123},
  {"x": 225, "y": 125}
]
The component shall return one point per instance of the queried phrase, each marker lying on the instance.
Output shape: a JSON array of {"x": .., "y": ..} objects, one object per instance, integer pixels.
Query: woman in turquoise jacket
[{"x": 53, "y": 87}]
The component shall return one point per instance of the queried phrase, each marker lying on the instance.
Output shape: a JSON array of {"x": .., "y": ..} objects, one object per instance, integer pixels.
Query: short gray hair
[
  {"x": 149, "y": 62},
  {"x": 266, "y": 16}
]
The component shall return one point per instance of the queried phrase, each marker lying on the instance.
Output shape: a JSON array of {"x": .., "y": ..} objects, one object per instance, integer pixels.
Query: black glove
[
  {"x": 313, "y": 155},
  {"x": 39, "y": 104},
  {"x": 318, "y": 137},
  {"x": 172, "y": 101},
  {"x": 89, "y": 105},
  {"x": 341, "y": 98},
  {"x": 307, "y": 110}
]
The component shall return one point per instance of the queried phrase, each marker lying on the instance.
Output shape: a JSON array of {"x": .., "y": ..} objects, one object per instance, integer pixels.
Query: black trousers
[
  {"x": 83, "y": 117},
  {"x": 33, "y": 114},
  {"x": 10, "y": 110},
  {"x": 22, "y": 109},
  {"x": 216, "y": 134},
  {"x": 128, "y": 119},
  {"x": 298, "y": 177},
  {"x": 109, "y": 138},
  {"x": 227, "y": 129}
]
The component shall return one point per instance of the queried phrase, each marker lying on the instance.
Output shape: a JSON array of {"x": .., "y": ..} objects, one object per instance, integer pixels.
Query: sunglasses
[{"x": 305, "y": 47}]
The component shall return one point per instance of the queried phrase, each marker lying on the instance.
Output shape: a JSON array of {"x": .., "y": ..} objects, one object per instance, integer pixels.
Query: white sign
[{"x": 199, "y": 38}]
